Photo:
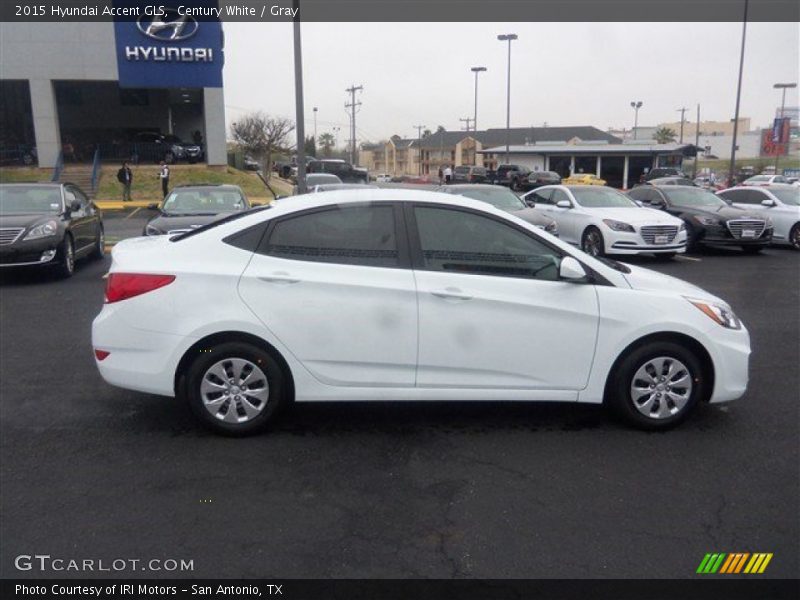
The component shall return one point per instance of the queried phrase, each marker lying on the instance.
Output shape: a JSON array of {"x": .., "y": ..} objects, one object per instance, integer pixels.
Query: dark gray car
[
  {"x": 48, "y": 225},
  {"x": 504, "y": 199},
  {"x": 192, "y": 206}
]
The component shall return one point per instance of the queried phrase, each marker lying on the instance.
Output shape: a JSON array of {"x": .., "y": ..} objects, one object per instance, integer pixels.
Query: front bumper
[
  {"x": 22, "y": 253},
  {"x": 730, "y": 354},
  {"x": 625, "y": 242},
  {"x": 720, "y": 236}
]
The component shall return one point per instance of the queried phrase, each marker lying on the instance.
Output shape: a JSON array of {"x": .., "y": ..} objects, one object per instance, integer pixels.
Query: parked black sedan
[
  {"x": 709, "y": 219},
  {"x": 192, "y": 206},
  {"x": 48, "y": 225},
  {"x": 504, "y": 199}
]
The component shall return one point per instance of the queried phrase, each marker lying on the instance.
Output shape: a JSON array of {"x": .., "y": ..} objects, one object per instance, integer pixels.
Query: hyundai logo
[{"x": 168, "y": 27}]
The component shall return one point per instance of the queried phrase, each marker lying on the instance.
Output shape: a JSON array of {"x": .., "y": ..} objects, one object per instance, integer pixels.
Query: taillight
[
  {"x": 101, "y": 354},
  {"x": 121, "y": 286}
]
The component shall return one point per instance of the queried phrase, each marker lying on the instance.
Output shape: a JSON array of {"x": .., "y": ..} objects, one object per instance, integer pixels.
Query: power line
[{"x": 467, "y": 121}]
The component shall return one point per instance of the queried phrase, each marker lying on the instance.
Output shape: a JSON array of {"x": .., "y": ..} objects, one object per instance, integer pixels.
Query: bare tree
[{"x": 262, "y": 135}]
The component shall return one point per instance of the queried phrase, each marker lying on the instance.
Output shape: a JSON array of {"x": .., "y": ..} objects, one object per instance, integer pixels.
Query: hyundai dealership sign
[{"x": 169, "y": 48}]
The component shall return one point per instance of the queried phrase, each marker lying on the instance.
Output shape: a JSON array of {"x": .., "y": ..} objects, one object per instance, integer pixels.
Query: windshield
[
  {"x": 29, "y": 199},
  {"x": 501, "y": 197},
  {"x": 791, "y": 197},
  {"x": 203, "y": 201},
  {"x": 759, "y": 178},
  {"x": 600, "y": 197},
  {"x": 698, "y": 197}
]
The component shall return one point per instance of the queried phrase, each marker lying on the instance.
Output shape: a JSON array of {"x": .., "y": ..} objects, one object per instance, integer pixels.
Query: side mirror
[
  {"x": 571, "y": 269},
  {"x": 152, "y": 206},
  {"x": 564, "y": 204},
  {"x": 75, "y": 205},
  {"x": 769, "y": 202},
  {"x": 658, "y": 204},
  {"x": 639, "y": 203}
]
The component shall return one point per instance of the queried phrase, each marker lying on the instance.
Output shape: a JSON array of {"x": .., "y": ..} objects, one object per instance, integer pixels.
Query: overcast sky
[{"x": 562, "y": 73}]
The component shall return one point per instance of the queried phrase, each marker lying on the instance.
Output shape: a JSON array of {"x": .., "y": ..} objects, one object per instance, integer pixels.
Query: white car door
[
  {"x": 334, "y": 286},
  {"x": 492, "y": 310}
]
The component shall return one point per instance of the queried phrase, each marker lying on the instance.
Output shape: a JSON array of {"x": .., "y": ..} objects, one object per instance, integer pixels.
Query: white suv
[{"x": 405, "y": 295}]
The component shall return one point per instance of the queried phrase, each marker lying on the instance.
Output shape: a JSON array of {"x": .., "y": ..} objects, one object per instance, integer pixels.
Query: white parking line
[{"x": 692, "y": 258}]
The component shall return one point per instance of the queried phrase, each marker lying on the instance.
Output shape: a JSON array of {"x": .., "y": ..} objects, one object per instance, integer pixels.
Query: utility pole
[
  {"x": 783, "y": 87},
  {"x": 467, "y": 121},
  {"x": 696, "y": 142},
  {"x": 352, "y": 106},
  {"x": 732, "y": 168},
  {"x": 683, "y": 112},
  {"x": 419, "y": 129},
  {"x": 508, "y": 37},
  {"x": 315, "y": 126},
  {"x": 298, "y": 100},
  {"x": 476, "y": 70}
]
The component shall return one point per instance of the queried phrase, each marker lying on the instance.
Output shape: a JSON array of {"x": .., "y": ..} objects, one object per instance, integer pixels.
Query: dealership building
[{"x": 91, "y": 89}]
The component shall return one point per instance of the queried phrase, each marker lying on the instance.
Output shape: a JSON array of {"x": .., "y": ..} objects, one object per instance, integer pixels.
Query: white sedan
[
  {"x": 405, "y": 295},
  {"x": 765, "y": 180},
  {"x": 603, "y": 221},
  {"x": 780, "y": 203}
]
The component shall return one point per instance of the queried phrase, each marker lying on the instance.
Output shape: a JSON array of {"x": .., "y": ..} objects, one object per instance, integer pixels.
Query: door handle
[
  {"x": 451, "y": 294},
  {"x": 280, "y": 278}
]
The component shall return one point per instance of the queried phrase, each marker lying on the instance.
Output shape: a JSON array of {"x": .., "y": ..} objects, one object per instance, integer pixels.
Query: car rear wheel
[
  {"x": 657, "y": 385},
  {"x": 592, "y": 242},
  {"x": 235, "y": 388},
  {"x": 66, "y": 264},
  {"x": 794, "y": 236}
]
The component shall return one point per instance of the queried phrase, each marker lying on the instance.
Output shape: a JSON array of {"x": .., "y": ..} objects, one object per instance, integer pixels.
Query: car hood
[
  {"x": 643, "y": 279},
  {"x": 724, "y": 213},
  {"x": 533, "y": 216},
  {"x": 169, "y": 222},
  {"x": 27, "y": 220},
  {"x": 636, "y": 215}
]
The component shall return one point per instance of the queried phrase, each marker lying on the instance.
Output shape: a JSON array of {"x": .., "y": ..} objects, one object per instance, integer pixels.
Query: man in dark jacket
[{"x": 125, "y": 177}]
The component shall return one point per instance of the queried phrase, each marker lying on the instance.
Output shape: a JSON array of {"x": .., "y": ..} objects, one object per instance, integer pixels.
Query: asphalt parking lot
[{"x": 394, "y": 490}]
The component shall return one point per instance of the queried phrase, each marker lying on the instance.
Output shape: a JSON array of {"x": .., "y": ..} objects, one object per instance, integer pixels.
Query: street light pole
[
  {"x": 783, "y": 87},
  {"x": 476, "y": 70},
  {"x": 298, "y": 99},
  {"x": 732, "y": 168},
  {"x": 315, "y": 125},
  {"x": 636, "y": 106},
  {"x": 508, "y": 37},
  {"x": 683, "y": 118}
]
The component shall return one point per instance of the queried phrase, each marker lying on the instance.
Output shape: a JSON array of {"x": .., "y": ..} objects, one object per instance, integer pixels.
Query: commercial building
[{"x": 87, "y": 89}]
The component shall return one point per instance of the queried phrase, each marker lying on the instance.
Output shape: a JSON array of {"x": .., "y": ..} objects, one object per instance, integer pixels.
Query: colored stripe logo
[{"x": 734, "y": 563}]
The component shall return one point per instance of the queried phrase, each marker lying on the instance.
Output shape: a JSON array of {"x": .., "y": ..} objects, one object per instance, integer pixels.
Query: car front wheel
[
  {"x": 794, "y": 236},
  {"x": 100, "y": 245},
  {"x": 657, "y": 385},
  {"x": 66, "y": 264},
  {"x": 592, "y": 242},
  {"x": 235, "y": 388}
]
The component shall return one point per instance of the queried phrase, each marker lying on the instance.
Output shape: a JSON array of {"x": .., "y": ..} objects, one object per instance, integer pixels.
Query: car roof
[
  {"x": 219, "y": 186},
  {"x": 472, "y": 186}
]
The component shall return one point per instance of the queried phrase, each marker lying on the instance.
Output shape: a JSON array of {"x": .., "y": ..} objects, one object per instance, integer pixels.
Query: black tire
[
  {"x": 752, "y": 249},
  {"x": 99, "y": 251},
  {"x": 794, "y": 236},
  {"x": 210, "y": 357},
  {"x": 619, "y": 397},
  {"x": 65, "y": 267},
  {"x": 592, "y": 242},
  {"x": 692, "y": 245}
]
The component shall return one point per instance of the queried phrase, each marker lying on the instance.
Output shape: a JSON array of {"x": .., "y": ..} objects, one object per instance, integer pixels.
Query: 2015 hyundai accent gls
[{"x": 381, "y": 294}]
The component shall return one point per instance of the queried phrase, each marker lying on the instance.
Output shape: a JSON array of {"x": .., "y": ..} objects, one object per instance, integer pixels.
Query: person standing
[
  {"x": 441, "y": 176},
  {"x": 125, "y": 177},
  {"x": 164, "y": 175},
  {"x": 448, "y": 174}
]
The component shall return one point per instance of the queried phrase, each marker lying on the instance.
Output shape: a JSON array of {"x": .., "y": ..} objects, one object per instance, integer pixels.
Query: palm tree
[
  {"x": 664, "y": 135},
  {"x": 326, "y": 142}
]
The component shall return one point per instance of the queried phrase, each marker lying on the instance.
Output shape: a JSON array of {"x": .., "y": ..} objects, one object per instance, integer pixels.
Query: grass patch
[
  {"x": 24, "y": 174},
  {"x": 147, "y": 185}
]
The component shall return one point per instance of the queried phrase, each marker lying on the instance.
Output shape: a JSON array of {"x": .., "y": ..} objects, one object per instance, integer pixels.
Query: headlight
[
  {"x": 682, "y": 226},
  {"x": 43, "y": 230},
  {"x": 551, "y": 227},
  {"x": 709, "y": 221},
  {"x": 719, "y": 313},
  {"x": 768, "y": 223},
  {"x": 618, "y": 225},
  {"x": 152, "y": 230}
]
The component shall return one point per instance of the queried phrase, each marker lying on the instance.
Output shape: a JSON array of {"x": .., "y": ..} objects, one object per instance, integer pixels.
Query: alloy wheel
[
  {"x": 69, "y": 256},
  {"x": 794, "y": 237},
  {"x": 234, "y": 390},
  {"x": 593, "y": 244},
  {"x": 661, "y": 387}
]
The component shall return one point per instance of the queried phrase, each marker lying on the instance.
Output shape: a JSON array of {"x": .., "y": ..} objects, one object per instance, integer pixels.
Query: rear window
[
  {"x": 228, "y": 219},
  {"x": 478, "y": 170},
  {"x": 462, "y": 169}
]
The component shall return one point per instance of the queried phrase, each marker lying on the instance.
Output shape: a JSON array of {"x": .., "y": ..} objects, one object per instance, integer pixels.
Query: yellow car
[{"x": 583, "y": 179}]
